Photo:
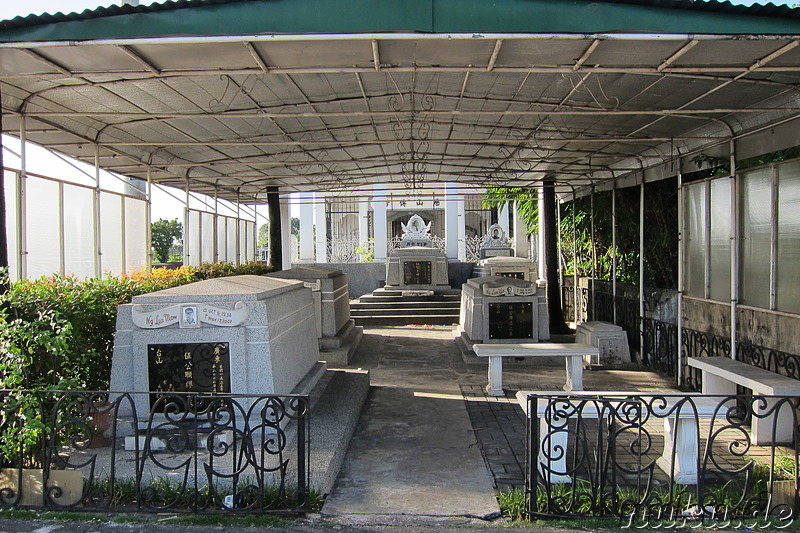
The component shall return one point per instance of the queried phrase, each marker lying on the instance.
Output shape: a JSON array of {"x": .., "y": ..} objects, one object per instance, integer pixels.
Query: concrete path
[{"x": 414, "y": 453}]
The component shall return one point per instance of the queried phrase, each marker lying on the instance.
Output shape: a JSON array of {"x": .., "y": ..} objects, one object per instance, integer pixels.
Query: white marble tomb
[
  {"x": 258, "y": 324},
  {"x": 496, "y": 309},
  {"x": 337, "y": 333},
  {"x": 417, "y": 264}
]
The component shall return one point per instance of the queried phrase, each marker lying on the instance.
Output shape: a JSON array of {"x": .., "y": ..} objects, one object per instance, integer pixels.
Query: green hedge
[{"x": 57, "y": 332}]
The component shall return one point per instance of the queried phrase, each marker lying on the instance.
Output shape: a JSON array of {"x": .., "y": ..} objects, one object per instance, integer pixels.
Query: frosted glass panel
[
  {"x": 231, "y": 240},
  {"x": 111, "y": 233},
  {"x": 135, "y": 234},
  {"x": 192, "y": 230},
  {"x": 756, "y": 237},
  {"x": 79, "y": 253},
  {"x": 207, "y": 239},
  {"x": 222, "y": 249},
  {"x": 720, "y": 256},
  {"x": 788, "y": 268},
  {"x": 695, "y": 215},
  {"x": 42, "y": 228},
  {"x": 10, "y": 184},
  {"x": 251, "y": 241},
  {"x": 246, "y": 247}
]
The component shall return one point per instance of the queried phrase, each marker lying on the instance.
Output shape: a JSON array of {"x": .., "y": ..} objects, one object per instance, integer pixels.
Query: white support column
[
  {"x": 379, "y": 221},
  {"x": 286, "y": 234},
  {"x": 462, "y": 228},
  {"x": 22, "y": 203},
  {"x": 306, "y": 227},
  {"x": 148, "y": 233},
  {"x": 98, "y": 251},
  {"x": 363, "y": 220},
  {"x": 502, "y": 218},
  {"x": 734, "y": 250},
  {"x": 521, "y": 242},
  {"x": 451, "y": 221},
  {"x": 62, "y": 252},
  {"x": 322, "y": 227},
  {"x": 187, "y": 230},
  {"x": 540, "y": 207},
  {"x": 681, "y": 281}
]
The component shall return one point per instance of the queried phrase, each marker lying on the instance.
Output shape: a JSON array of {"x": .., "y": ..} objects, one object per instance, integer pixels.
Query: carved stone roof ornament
[
  {"x": 495, "y": 238},
  {"x": 416, "y": 233}
]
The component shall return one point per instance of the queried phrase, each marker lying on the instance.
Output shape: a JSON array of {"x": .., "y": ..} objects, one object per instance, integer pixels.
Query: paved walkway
[{"x": 430, "y": 443}]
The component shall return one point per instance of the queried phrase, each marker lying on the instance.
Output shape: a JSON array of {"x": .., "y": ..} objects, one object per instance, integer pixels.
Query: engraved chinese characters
[
  {"x": 189, "y": 367},
  {"x": 416, "y": 272},
  {"x": 511, "y": 320}
]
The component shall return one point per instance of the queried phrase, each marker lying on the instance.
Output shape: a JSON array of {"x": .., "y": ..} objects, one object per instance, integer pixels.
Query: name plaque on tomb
[
  {"x": 512, "y": 320},
  {"x": 188, "y": 367},
  {"x": 514, "y": 275},
  {"x": 417, "y": 273}
]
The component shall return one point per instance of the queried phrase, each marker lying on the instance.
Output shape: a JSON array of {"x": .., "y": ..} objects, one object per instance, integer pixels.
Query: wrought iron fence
[
  {"x": 660, "y": 460},
  {"x": 177, "y": 452},
  {"x": 351, "y": 251}
]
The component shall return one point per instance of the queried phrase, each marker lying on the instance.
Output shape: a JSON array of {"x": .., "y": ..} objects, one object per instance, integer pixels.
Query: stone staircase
[{"x": 395, "y": 307}]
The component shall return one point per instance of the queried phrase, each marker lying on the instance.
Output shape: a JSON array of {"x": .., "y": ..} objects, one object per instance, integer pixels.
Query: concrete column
[
  {"x": 462, "y": 228},
  {"x": 521, "y": 243},
  {"x": 379, "y": 220},
  {"x": 451, "y": 221},
  {"x": 322, "y": 227},
  {"x": 306, "y": 227},
  {"x": 542, "y": 261},
  {"x": 502, "y": 218},
  {"x": 363, "y": 220},
  {"x": 286, "y": 234}
]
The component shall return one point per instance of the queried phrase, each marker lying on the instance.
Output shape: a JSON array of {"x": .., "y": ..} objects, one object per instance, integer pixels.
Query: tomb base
[
  {"x": 417, "y": 268},
  {"x": 509, "y": 267},
  {"x": 503, "y": 310},
  {"x": 609, "y": 338}
]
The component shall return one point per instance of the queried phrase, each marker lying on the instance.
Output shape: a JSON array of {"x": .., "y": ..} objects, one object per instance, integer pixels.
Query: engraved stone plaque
[
  {"x": 188, "y": 367},
  {"x": 417, "y": 273},
  {"x": 513, "y": 320}
]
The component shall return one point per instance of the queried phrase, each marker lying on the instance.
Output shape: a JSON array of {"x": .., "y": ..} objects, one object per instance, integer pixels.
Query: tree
[
  {"x": 263, "y": 236},
  {"x": 165, "y": 233}
]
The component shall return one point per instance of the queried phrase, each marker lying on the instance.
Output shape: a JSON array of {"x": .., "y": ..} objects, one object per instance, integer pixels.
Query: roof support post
[
  {"x": 187, "y": 231},
  {"x": 547, "y": 218},
  {"x": 734, "y": 247},
  {"x": 215, "y": 228},
  {"x": 451, "y": 230},
  {"x": 306, "y": 227},
  {"x": 641, "y": 269},
  {"x": 322, "y": 229},
  {"x": 148, "y": 228},
  {"x": 98, "y": 248},
  {"x": 594, "y": 255},
  {"x": 542, "y": 263},
  {"x": 575, "y": 292},
  {"x": 3, "y": 226},
  {"x": 681, "y": 278},
  {"x": 380, "y": 233},
  {"x": 22, "y": 203},
  {"x": 274, "y": 215},
  {"x": 614, "y": 250}
]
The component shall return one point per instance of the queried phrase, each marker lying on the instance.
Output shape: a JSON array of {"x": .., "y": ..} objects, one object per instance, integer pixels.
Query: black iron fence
[
  {"x": 660, "y": 347},
  {"x": 662, "y": 460},
  {"x": 177, "y": 452}
]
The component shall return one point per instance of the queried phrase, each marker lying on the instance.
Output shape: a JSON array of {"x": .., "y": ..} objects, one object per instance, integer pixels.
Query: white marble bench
[
  {"x": 720, "y": 375},
  {"x": 681, "y": 443},
  {"x": 573, "y": 353}
]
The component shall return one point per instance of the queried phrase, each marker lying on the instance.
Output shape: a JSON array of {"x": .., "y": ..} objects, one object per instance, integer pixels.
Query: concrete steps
[{"x": 392, "y": 307}]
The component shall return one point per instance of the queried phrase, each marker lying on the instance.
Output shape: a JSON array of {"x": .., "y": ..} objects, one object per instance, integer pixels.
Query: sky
[{"x": 12, "y": 8}]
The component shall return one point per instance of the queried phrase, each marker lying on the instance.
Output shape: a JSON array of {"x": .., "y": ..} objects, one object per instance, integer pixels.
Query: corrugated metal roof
[{"x": 725, "y": 7}]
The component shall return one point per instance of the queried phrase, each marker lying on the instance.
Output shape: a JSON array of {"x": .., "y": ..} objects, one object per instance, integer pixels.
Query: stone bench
[
  {"x": 720, "y": 375},
  {"x": 680, "y": 453},
  {"x": 573, "y": 353}
]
